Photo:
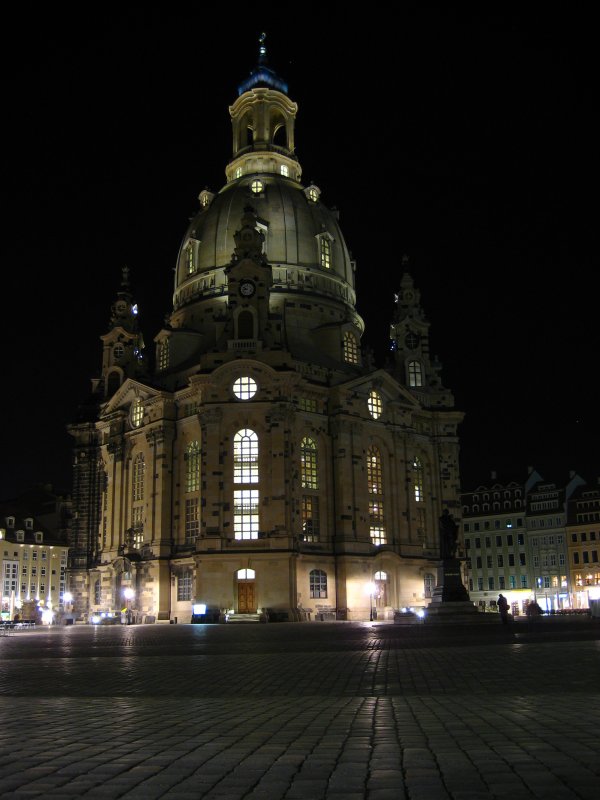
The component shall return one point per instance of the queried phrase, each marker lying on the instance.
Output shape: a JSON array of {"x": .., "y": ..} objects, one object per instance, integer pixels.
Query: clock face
[{"x": 247, "y": 288}]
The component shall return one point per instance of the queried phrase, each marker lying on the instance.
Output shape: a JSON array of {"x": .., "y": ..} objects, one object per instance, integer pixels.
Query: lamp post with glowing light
[
  {"x": 370, "y": 587},
  {"x": 128, "y": 594},
  {"x": 67, "y": 599}
]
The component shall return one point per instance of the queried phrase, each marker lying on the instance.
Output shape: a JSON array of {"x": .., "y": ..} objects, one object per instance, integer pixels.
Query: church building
[{"x": 263, "y": 466}]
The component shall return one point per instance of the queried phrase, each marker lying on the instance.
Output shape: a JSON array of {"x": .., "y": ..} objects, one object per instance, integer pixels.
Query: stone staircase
[{"x": 244, "y": 618}]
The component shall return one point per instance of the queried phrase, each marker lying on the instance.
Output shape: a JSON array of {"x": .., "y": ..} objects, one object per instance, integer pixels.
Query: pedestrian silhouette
[{"x": 503, "y": 608}]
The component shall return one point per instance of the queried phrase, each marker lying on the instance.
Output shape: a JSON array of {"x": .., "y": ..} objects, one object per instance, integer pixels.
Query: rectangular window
[
  {"x": 478, "y": 562},
  {"x": 318, "y": 584},
  {"x": 192, "y": 520},
  {"x": 466, "y": 527},
  {"x": 476, "y": 528},
  {"x": 573, "y": 537},
  {"x": 552, "y": 559},
  {"x": 586, "y": 557},
  {"x": 245, "y": 513},
  {"x": 521, "y": 538},
  {"x": 496, "y": 524},
  {"x": 307, "y": 404},
  {"x": 378, "y": 535},
  {"x": 512, "y": 582},
  {"x": 490, "y": 583},
  {"x": 478, "y": 543},
  {"x": 501, "y": 582},
  {"x": 467, "y": 544},
  {"x": 488, "y": 542},
  {"x": 523, "y": 581},
  {"x": 546, "y": 582},
  {"x": 480, "y": 584},
  {"x": 595, "y": 556},
  {"x": 561, "y": 559},
  {"x": 500, "y": 561},
  {"x": 509, "y": 540},
  {"x": 184, "y": 586},
  {"x": 498, "y": 541},
  {"x": 522, "y": 559},
  {"x": 576, "y": 558},
  {"x": 489, "y": 562},
  {"x": 536, "y": 561}
]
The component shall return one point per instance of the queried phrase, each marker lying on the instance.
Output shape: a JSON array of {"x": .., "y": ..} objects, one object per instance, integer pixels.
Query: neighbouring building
[
  {"x": 583, "y": 541},
  {"x": 517, "y": 543},
  {"x": 263, "y": 466},
  {"x": 34, "y": 552}
]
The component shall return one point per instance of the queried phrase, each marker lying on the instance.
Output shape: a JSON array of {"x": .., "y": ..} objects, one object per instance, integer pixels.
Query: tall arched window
[
  {"x": 245, "y": 474},
  {"x": 137, "y": 497},
  {"x": 192, "y": 467},
  {"x": 137, "y": 481},
  {"x": 191, "y": 265},
  {"x": 163, "y": 354},
  {"x": 381, "y": 579},
  {"x": 415, "y": 374},
  {"x": 309, "y": 480},
  {"x": 350, "y": 348},
  {"x": 318, "y": 583},
  {"x": 308, "y": 464},
  {"x": 375, "y": 490},
  {"x": 418, "y": 474}
]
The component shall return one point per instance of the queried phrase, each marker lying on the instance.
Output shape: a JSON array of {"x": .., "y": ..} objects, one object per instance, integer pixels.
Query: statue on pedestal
[{"x": 448, "y": 535}]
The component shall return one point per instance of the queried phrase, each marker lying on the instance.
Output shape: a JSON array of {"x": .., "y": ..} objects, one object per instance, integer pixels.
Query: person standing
[{"x": 503, "y": 608}]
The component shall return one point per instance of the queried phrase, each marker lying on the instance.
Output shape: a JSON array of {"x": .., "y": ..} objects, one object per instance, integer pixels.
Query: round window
[
  {"x": 256, "y": 187},
  {"x": 245, "y": 388}
]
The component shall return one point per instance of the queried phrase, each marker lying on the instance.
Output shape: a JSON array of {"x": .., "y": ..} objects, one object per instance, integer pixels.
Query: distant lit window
[
  {"x": 310, "y": 518},
  {"x": 238, "y": 173},
  {"x": 308, "y": 464},
  {"x": 415, "y": 374},
  {"x": 184, "y": 586},
  {"x": 418, "y": 479},
  {"x": 257, "y": 186},
  {"x": 118, "y": 352},
  {"x": 137, "y": 482},
  {"x": 375, "y": 491},
  {"x": 374, "y": 404},
  {"x": 350, "y": 348},
  {"x": 244, "y": 388},
  {"x": 190, "y": 260},
  {"x": 285, "y": 170},
  {"x": 192, "y": 520}
]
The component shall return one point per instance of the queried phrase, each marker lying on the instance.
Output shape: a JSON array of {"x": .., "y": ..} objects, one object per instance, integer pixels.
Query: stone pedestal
[{"x": 450, "y": 600}]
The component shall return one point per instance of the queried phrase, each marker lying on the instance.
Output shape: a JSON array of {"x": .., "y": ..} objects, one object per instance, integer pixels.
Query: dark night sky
[{"x": 462, "y": 139}]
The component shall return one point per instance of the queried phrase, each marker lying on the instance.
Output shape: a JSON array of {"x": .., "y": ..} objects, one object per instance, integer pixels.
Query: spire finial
[{"x": 262, "y": 48}]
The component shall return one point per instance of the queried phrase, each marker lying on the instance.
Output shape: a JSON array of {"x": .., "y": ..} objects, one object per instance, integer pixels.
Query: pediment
[
  {"x": 127, "y": 393},
  {"x": 383, "y": 382}
]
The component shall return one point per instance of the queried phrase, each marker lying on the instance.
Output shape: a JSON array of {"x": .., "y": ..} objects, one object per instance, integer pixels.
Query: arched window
[
  {"x": 245, "y": 574},
  {"x": 245, "y": 325},
  {"x": 375, "y": 490},
  {"x": 350, "y": 348},
  {"x": 192, "y": 467},
  {"x": 308, "y": 464},
  {"x": 418, "y": 479},
  {"x": 309, "y": 481},
  {"x": 245, "y": 474},
  {"x": 374, "y": 404},
  {"x": 415, "y": 374},
  {"x": 318, "y": 583},
  {"x": 137, "y": 481}
]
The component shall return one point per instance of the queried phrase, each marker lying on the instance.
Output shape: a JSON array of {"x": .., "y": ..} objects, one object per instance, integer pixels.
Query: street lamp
[
  {"x": 371, "y": 590},
  {"x": 128, "y": 594}
]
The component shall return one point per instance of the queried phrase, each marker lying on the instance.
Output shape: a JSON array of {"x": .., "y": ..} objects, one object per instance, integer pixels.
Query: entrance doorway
[
  {"x": 246, "y": 597},
  {"x": 246, "y": 591}
]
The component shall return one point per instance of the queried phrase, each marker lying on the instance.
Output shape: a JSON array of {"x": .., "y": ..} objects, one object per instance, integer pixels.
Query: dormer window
[
  {"x": 313, "y": 193},
  {"x": 163, "y": 354},
  {"x": 29, "y": 523},
  {"x": 205, "y": 197},
  {"x": 325, "y": 251},
  {"x": 10, "y": 522},
  {"x": 20, "y": 536},
  {"x": 39, "y": 537},
  {"x": 238, "y": 173}
]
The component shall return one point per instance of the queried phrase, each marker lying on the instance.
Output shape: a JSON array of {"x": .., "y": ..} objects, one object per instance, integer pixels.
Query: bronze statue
[{"x": 448, "y": 535}]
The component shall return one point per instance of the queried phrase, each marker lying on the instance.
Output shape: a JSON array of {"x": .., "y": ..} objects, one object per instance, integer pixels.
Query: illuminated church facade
[{"x": 263, "y": 467}]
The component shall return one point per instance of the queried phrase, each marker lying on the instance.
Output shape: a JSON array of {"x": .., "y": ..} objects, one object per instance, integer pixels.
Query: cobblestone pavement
[{"x": 340, "y": 710}]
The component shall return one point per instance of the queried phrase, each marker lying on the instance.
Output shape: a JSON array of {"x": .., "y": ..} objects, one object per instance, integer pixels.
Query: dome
[{"x": 303, "y": 241}]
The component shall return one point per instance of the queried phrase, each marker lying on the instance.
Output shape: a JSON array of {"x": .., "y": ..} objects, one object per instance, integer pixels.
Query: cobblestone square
[{"x": 321, "y": 710}]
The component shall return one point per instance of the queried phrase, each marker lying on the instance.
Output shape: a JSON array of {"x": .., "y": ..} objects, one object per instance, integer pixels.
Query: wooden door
[{"x": 246, "y": 597}]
